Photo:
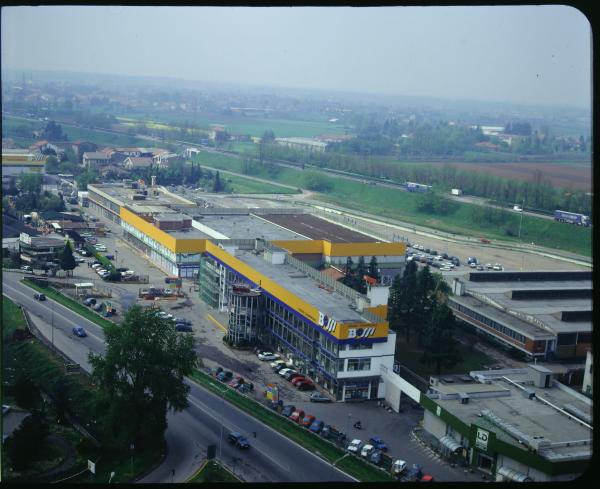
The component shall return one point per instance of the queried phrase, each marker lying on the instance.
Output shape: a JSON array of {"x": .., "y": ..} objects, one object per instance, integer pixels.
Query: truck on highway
[
  {"x": 456, "y": 191},
  {"x": 572, "y": 218}
]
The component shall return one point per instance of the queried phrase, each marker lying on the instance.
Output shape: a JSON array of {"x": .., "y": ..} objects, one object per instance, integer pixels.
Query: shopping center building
[{"x": 260, "y": 267}]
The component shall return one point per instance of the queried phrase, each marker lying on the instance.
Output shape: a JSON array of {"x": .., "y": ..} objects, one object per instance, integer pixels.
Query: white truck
[{"x": 456, "y": 191}]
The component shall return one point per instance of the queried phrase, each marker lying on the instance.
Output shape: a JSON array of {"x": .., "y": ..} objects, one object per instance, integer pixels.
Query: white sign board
[
  {"x": 481, "y": 441},
  {"x": 25, "y": 238},
  {"x": 91, "y": 467}
]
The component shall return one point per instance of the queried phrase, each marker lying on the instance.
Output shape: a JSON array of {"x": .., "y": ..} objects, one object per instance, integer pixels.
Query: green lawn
[
  {"x": 12, "y": 318},
  {"x": 70, "y": 303},
  {"x": 351, "y": 465},
  {"x": 241, "y": 185},
  {"x": 397, "y": 204},
  {"x": 212, "y": 471}
]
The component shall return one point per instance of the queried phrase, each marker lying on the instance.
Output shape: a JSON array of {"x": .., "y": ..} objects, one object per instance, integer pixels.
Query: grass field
[
  {"x": 396, "y": 204},
  {"x": 241, "y": 185},
  {"x": 70, "y": 303},
  {"x": 212, "y": 471},
  {"x": 351, "y": 465}
]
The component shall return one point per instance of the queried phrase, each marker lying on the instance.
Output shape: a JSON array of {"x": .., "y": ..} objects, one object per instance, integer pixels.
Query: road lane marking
[{"x": 216, "y": 322}]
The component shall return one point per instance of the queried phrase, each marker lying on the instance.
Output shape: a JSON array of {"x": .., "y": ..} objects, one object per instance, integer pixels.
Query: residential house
[
  {"x": 95, "y": 159},
  {"x": 135, "y": 162}
]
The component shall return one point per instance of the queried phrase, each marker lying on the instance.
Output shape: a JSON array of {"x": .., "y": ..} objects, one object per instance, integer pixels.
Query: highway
[{"x": 271, "y": 458}]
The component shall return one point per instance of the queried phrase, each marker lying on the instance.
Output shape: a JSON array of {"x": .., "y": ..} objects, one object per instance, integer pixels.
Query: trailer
[
  {"x": 456, "y": 191},
  {"x": 572, "y": 218},
  {"x": 416, "y": 187}
]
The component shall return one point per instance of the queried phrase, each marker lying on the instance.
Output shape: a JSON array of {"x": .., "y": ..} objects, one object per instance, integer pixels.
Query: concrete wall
[{"x": 433, "y": 424}]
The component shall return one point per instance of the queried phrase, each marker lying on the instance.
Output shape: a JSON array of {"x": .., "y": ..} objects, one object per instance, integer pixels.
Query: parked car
[
  {"x": 415, "y": 473},
  {"x": 398, "y": 467},
  {"x": 27, "y": 268},
  {"x": 378, "y": 443},
  {"x": 182, "y": 321},
  {"x": 489, "y": 266},
  {"x": 472, "y": 259},
  {"x": 445, "y": 256},
  {"x": 238, "y": 440},
  {"x": 296, "y": 378},
  {"x": 236, "y": 382},
  {"x": 297, "y": 415},
  {"x": 284, "y": 371},
  {"x": 277, "y": 365},
  {"x": 224, "y": 376},
  {"x": 110, "y": 257},
  {"x": 39, "y": 297},
  {"x": 367, "y": 450},
  {"x": 100, "y": 247},
  {"x": 267, "y": 355},
  {"x": 79, "y": 331},
  {"x": 96, "y": 265},
  {"x": 183, "y": 328},
  {"x": 498, "y": 267},
  {"x": 316, "y": 426},
  {"x": 473, "y": 264},
  {"x": 288, "y": 410},
  {"x": 376, "y": 457},
  {"x": 289, "y": 375},
  {"x": 246, "y": 387},
  {"x": 355, "y": 446},
  {"x": 480, "y": 268},
  {"x": 89, "y": 301},
  {"x": 316, "y": 397},
  {"x": 305, "y": 385},
  {"x": 455, "y": 260},
  {"x": 78, "y": 259}
]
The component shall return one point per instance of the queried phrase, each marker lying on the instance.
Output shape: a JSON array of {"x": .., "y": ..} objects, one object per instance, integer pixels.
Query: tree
[
  {"x": 26, "y": 443},
  {"x": 51, "y": 164},
  {"x": 53, "y": 132},
  {"x": 30, "y": 183},
  {"x": 218, "y": 185},
  {"x": 67, "y": 261},
  {"x": 359, "y": 280},
  {"x": 140, "y": 377},
  {"x": 401, "y": 303},
  {"x": 373, "y": 269},
  {"x": 424, "y": 301},
  {"x": 348, "y": 272},
  {"x": 25, "y": 391},
  {"x": 440, "y": 346}
]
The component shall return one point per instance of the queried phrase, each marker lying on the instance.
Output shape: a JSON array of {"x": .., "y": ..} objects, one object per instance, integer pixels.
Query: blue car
[
  {"x": 79, "y": 331},
  {"x": 378, "y": 443},
  {"x": 316, "y": 426}
]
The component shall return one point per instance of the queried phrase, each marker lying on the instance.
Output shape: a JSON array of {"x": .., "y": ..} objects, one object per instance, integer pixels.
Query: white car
[
  {"x": 267, "y": 355},
  {"x": 100, "y": 247},
  {"x": 367, "y": 450},
  {"x": 355, "y": 446},
  {"x": 488, "y": 266},
  {"x": 445, "y": 268},
  {"x": 96, "y": 265},
  {"x": 498, "y": 267},
  {"x": 399, "y": 466},
  {"x": 473, "y": 264},
  {"x": 284, "y": 371},
  {"x": 439, "y": 258}
]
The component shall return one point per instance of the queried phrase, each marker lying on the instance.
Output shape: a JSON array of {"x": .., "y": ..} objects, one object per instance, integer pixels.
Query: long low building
[
  {"x": 249, "y": 268},
  {"x": 543, "y": 314},
  {"x": 512, "y": 425}
]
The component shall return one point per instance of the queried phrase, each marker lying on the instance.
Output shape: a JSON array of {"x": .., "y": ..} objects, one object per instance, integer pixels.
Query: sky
[{"x": 518, "y": 54}]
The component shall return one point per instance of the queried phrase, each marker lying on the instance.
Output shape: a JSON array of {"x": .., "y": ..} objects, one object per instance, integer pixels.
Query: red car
[
  {"x": 297, "y": 415},
  {"x": 236, "y": 382},
  {"x": 297, "y": 378},
  {"x": 305, "y": 385},
  {"x": 308, "y": 420}
]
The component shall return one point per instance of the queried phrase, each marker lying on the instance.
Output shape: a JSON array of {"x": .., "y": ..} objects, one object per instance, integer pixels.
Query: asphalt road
[{"x": 272, "y": 457}]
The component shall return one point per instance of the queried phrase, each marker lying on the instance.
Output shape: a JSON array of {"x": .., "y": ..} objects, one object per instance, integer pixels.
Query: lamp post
[
  {"x": 112, "y": 474},
  {"x": 221, "y": 436},
  {"x": 521, "y": 221},
  {"x": 52, "y": 323},
  {"x": 348, "y": 423},
  {"x": 131, "y": 447}
]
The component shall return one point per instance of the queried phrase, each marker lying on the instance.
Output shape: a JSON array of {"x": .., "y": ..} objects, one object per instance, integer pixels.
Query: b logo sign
[
  {"x": 326, "y": 322},
  {"x": 360, "y": 332},
  {"x": 481, "y": 441}
]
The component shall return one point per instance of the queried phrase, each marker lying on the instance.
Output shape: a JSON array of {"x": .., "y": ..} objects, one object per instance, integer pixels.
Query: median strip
[
  {"x": 353, "y": 466},
  {"x": 75, "y": 306}
]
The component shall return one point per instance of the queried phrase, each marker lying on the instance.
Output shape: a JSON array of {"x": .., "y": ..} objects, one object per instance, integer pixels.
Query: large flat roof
[
  {"x": 532, "y": 417},
  {"x": 542, "y": 299},
  {"x": 316, "y": 228},
  {"x": 247, "y": 227},
  {"x": 298, "y": 283}
]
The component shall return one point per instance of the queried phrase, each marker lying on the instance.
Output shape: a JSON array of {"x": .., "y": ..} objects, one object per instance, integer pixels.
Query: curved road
[{"x": 272, "y": 457}]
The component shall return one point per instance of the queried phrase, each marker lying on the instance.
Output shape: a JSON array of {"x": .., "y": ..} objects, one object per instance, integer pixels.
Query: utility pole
[
  {"x": 521, "y": 221},
  {"x": 52, "y": 324}
]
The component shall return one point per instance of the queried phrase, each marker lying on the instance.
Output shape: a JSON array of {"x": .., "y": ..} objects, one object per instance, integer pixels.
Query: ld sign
[{"x": 481, "y": 441}]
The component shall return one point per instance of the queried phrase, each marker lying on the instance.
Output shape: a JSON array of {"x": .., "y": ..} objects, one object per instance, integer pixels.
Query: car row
[
  {"x": 299, "y": 381},
  {"x": 237, "y": 382}
]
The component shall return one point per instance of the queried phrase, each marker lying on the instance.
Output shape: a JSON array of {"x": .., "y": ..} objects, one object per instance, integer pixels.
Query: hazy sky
[{"x": 537, "y": 54}]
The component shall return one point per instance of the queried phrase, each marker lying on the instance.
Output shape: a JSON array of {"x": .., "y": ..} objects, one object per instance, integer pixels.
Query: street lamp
[
  {"x": 52, "y": 322},
  {"x": 521, "y": 221},
  {"x": 348, "y": 424},
  {"x": 112, "y": 474}
]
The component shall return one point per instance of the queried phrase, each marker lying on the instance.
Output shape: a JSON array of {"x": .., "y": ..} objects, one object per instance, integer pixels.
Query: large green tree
[
  {"x": 26, "y": 444},
  {"x": 140, "y": 377},
  {"x": 439, "y": 345},
  {"x": 402, "y": 300},
  {"x": 374, "y": 269},
  {"x": 67, "y": 260}
]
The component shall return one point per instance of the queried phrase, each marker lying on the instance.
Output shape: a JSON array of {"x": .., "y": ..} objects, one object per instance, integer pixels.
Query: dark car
[
  {"x": 316, "y": 397},
  {"x": 183, "y": 328},
  {"x": 375, "y": 457},
  {"x": 378, "y": 443},
  {"x": 89, "y": 301},
  {"x": 98, "y": 307},
  {"x": 308, "y": 420},
  {"x": 455, "y": 260},
  {"x": 288, "y": 410},
  {"x": 110, "y": 257},
  {"x": 183, "y": 321},
  {"x": 238, "y": 440},
  {"x": 79, "y": 331},
  {"x": 445, "y": 256},
  {"x": 225, "y": 376},
  {"x": 39, "y": 297},
  {"x": 427, "y": 250},
  {"x": 289, "y": 375}
]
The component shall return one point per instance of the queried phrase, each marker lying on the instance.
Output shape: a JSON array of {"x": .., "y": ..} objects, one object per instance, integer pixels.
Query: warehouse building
[
  {"x": 514, "y": 425},
  {"x": 545, "y": 314}
]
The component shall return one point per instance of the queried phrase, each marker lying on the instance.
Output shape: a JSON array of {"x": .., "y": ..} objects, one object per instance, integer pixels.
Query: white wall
[
  {"x": 378, "y": 294},
  {"x": 433, "y": 424}
]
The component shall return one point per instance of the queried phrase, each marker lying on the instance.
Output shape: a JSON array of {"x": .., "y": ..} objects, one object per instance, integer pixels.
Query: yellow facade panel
[
  {"x": 300, "y": 246},
  {"x": 367, "y": 249}
]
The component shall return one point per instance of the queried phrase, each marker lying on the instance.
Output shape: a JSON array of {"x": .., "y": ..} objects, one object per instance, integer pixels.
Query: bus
[{"x": 66, "y": 176}]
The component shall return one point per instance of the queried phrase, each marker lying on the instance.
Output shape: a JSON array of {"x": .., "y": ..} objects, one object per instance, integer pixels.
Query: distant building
[
  {"x": 189, "y": 153},
  {"x": 95, "y": 159},
  {"x": 302, "y": 144},
  {"x": 15, "y": 162},
  {"x": 135, "y": 162},
  {"x": 37, "y": 251},
  {"x": 80, "y": 146}
]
